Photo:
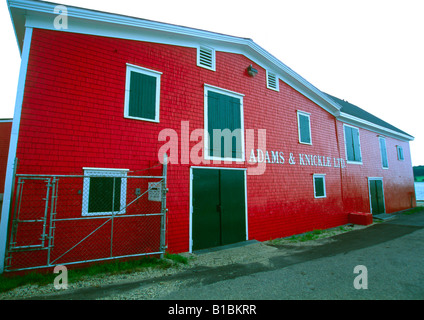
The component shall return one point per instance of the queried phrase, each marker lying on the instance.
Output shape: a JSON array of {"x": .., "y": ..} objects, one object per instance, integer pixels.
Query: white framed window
[
  {"x": 206, "y": 57},
  {"x": 352, "y": 144},
  {"x": 319, "y": 186},
  {"x": 383, "y": 152},
  {"x": 142, "y": 93},
  {"x": 224, "y": 125},
  {"x": 304, "y": 127},
  {"x": 104, "y": 191},
  {"x": 399, "y": 151},
  {"x": 272, "y": 81}
]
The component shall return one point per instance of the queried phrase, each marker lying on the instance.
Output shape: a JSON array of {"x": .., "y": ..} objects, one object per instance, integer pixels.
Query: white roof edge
[
  {"x": 284, "y": 73},
  {"x": 349, "y": 119},
  {"x": 331, "y": 106}
]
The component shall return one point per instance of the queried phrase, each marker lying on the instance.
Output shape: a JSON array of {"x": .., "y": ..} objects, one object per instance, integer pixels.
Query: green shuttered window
[
  {"x": 383, "y": 152},
  {"x": 104, "y": 194},
  {"x": 104, "y": 191},
  {"x": 304, "y": 127},
  {"x": 399, "y": 150},
  {"x": 319, "y": 186},
  {"x": 352, "y": 143},
  {"x": 224, "y": 125},
  {"x": 142, "y": 94}
]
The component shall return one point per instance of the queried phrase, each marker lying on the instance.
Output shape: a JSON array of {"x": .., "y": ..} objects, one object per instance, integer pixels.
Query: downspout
[{"x": 5, "y": 212}]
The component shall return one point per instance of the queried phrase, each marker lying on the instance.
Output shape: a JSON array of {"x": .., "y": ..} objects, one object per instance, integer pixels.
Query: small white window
[
  {"x": 319, "y": 186},
  {"x": 206, "y": 58},
  {"x": 304, "y": 127},
  {"x": 400, "y": 153},
  {"x": 272, "y": 81},
  {"x": 104, "y": 191}
]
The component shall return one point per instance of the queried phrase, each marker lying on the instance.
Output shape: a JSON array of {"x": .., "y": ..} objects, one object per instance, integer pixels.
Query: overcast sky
[{"x": 370, "y": 53}]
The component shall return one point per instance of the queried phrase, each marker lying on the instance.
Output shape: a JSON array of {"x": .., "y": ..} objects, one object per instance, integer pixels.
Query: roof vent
[
  {"x": 272, "y": 81},
  {"x": 206, "y": 58}
]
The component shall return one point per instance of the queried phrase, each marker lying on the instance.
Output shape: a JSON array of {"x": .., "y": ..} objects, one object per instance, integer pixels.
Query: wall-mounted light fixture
[{"x": 251, "y": 71}]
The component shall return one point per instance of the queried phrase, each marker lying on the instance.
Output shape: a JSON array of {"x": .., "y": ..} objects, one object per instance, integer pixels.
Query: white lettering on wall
[{"x": 277, "y": 157}]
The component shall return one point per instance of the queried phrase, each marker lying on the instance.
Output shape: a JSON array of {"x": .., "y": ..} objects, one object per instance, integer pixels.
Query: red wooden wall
[
  {"x": 5, "y": 129},
  {"x": 72, "y": 117}
]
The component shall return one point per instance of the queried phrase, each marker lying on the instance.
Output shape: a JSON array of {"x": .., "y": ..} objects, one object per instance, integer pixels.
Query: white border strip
[{"x": 13, "y": 147}]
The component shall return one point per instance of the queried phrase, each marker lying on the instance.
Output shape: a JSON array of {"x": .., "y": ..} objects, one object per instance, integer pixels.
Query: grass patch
[
  {"x": 9, "y": 282},
  {"x": 177, "y": 258},
  {"x": 312, "y": 235},
  {"x": 413, "y": 210},
  {"x": 309, "y": 236}
]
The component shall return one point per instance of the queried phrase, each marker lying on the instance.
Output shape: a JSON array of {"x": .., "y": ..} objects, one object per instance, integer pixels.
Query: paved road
[{"x": 392, "y": 253}]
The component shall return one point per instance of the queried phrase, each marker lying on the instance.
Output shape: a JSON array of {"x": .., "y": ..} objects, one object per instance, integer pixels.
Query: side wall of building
[
  {"x": 72, "y": 117},
  {"x": 397, "y": 178}
]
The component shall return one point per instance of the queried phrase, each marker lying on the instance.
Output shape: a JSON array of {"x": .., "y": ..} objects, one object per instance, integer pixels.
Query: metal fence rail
[{"x": 98, "y": 216}]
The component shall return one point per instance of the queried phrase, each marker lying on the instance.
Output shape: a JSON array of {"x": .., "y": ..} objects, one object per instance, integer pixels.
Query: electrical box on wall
[{"x": 155, "y": 191}]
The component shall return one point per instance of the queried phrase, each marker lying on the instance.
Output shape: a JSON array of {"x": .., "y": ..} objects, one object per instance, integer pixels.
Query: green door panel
[
  {"x": 233, "y": 211},
  {"x": 206, "y": 223},
  {"x": 380, "y": 198},
  {"x": 377, "y": 199},
  {"x": 219, "y": 210}
]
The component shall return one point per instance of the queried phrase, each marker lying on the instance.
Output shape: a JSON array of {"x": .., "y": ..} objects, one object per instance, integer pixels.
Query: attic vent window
[
  {"x": 206, "y": 58},
  {"x": 272, "y": 81}
]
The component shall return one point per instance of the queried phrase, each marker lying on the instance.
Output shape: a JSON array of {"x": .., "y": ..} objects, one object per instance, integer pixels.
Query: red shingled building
[{"x": 115, "y": 92}]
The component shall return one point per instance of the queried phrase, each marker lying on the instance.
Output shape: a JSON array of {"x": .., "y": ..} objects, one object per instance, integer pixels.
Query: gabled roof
[
  {"x": 41, "y": 14},
  {"x": 349, "y": 111}
]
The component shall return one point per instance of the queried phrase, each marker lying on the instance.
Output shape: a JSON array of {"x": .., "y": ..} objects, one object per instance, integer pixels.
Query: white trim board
[{"x": 13, "y": 145}]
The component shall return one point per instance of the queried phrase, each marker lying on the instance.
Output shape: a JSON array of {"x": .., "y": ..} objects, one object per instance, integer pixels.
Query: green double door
[
  {"x": 219, "y": 207},
  {"x": 376, "y": 196}
]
